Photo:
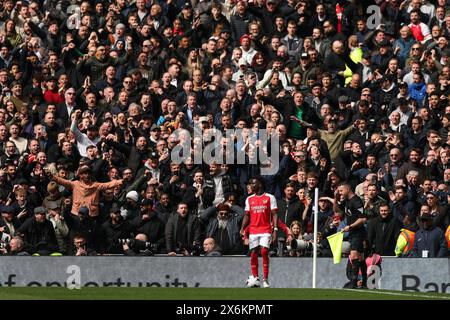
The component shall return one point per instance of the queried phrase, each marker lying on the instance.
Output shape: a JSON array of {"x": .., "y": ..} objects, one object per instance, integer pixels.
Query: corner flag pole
[{"x": 316, "y": 214}]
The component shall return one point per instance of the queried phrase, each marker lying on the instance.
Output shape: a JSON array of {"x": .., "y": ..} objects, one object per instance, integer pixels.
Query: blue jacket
[
  {"x": 417, "y": 92},
  {"x": 405, "y": 47},
  {"x": 432, "y": 240}
]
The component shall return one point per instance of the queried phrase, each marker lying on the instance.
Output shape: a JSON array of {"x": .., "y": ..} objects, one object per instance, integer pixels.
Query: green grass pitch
[{"x": 47, "y": 293}]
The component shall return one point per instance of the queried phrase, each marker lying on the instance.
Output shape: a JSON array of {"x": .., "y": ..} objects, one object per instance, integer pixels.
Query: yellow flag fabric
[{"x": 335, "y": 242}]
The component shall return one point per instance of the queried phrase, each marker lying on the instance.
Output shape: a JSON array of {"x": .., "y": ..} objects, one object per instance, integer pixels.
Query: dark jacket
[
  {"x": 432, "y": 240},
  {"x": 136, "y": 157},
  {"x": 15, "y": 222},
  {"x": 163, "y": 212},
  {"x": 234, "y": 243},
  {"x": 401, "y": 208},
  {"x": 193, "y": 202},
  {"x": 193, "y": 232},
  {"x": 216, "y": 252},
  {"x": 383, "y": 234},
  {"x": 38, "y": 236},
  {"x": 290, "y": 210},
  {"x": 89, "y": 227},
  {"x": 153, "y": 228},
  {"x": 110, "y": 235},
  {"x": 227, "y": 183}
]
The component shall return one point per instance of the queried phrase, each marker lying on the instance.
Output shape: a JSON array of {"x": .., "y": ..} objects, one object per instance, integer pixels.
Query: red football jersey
[{"x": 260, "y": 210}]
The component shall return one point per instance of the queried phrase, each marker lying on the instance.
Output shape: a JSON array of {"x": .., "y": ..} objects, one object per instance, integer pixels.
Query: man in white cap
[{"x": 240, "y": 73}]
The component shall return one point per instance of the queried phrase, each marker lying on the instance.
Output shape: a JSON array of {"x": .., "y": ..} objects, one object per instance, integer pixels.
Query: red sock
[
  {"x": 254, "y": 262},
  {"x": 265, "y": 259}
]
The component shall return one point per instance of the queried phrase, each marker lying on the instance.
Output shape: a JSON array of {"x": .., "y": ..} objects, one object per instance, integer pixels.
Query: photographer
[
  {"x": 148, "y": 225},
  {"x": 112, "y": 230},
  {"x": 139, "y": 246}
]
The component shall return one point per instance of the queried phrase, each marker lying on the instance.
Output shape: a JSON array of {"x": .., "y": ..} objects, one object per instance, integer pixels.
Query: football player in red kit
[{"x": 261, "y": 216}]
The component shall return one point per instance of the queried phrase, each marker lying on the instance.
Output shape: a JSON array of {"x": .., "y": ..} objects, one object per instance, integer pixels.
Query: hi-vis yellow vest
[{"x": 405, "y": 242}]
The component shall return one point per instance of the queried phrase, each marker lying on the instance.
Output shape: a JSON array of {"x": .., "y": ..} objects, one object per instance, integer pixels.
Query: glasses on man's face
[
  {"x": 394, "y": 155},
  {"x": 416, "y": 48},
  {"x": 430, "y": 198},
  {"x": 70, "y": 93},
  {"x": 127, "y": 82}
]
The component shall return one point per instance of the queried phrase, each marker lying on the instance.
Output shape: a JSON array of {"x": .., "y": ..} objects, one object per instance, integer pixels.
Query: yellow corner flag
[{"x": 335, "y": 241}]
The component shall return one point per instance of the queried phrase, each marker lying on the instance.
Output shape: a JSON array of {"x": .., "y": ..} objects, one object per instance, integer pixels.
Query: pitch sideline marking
[{"x": 399, "y": 294}]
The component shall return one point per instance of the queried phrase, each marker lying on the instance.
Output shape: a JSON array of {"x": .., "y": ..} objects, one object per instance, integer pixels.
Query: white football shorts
[{"x": 259, "y": 239}]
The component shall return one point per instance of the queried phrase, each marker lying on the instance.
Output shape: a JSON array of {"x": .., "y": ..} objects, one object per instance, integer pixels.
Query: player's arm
[
  {"x": 245, "y": 222},
  {"x": 246, "y": 219},
  {"x": 274, "y": 211},
  {"x": 275, "y": 225},
  {"x": 275, "y": 219}
]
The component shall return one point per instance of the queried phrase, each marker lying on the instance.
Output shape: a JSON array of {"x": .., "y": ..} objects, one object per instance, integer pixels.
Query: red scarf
[{"x": 339, "y": 12}]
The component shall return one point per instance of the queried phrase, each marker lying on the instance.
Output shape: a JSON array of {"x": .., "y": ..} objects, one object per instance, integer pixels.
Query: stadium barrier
[{"x": 424, "y": 275}]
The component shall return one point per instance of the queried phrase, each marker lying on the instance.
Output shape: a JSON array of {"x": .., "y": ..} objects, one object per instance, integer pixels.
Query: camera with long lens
[
  {"x": 303, "y": 247},
  {"x": 4, "y": 242},
  {"x": 196, "y": 249},
  {"x": 139, "y": 246}
]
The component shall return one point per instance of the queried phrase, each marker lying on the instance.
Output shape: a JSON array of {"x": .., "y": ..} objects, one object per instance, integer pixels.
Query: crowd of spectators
[{"x": 96, "y": 95}]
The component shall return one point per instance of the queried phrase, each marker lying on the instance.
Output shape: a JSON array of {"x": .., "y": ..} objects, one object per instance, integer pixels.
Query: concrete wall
[{"x": 426, "y": 275}]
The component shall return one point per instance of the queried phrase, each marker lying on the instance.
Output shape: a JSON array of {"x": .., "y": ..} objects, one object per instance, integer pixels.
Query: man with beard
[
  {"x": 183, "y": 234},
  {"x": 413, "y": 164},
  {"x": 149, "y": 225},
  {"x": 383, "y": 232},
  {"x": 372, "y": 201},
  {"x": 220, "y": 181},
  {"x": 199, "y": 196},
  {"x": 429, "y": 240},
  {"x": 224, "y": 227},
  {"x": 164, "y": 207},
  {"x": 130, "y": 210},
  {"x": 174, "y": 184},
  {"x": 350, "y": 207},
  {"x": 290, "y": 208},
  {"x": 113, "y": 230}
]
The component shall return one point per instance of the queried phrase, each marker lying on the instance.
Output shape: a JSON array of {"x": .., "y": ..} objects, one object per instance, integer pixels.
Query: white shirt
[{"x": 69, "y": 109}]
